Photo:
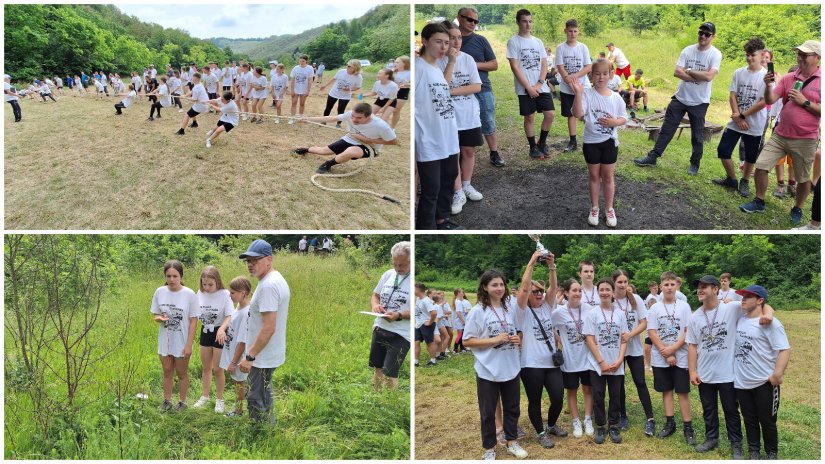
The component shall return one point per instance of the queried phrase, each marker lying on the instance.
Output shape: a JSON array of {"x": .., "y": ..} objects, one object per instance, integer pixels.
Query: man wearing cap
[
  {"x": 618, "y": 60},
  {"x": 797, "y": 132},
  {"x": 266, "y": 335},
  {"x": 697, "y": 66},
  {"x": 761, "y": 356},
  {"x": 12, "y": 96}
]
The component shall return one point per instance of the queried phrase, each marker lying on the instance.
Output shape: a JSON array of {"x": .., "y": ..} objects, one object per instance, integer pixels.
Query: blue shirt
[{"x": 479, "y": 48}]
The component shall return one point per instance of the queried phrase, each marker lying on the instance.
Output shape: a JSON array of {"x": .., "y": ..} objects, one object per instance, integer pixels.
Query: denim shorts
[{"x": 487, "y": 107}]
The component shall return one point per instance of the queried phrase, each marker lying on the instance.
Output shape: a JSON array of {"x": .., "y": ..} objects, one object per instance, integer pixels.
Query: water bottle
[{"x": 360, "y": 96}]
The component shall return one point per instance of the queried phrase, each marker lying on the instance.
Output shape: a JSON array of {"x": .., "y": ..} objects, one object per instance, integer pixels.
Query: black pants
[
  {"x": 816, "y": 211},
  {"x": 153, "y": 98},
  {"x": 119, "y": 106},
  {"x": 488, "y": 395},
  {"x": 535, "y": 381},
  {"x": 18, "y": 114},
  {"x": 708, "y": 393},
  {"x": 342, "y": 105},
  {"x": 598, "y": 385},
  {"x": 48, "y": 95},
  {"x": 176, "y": 102},
  {"x": 636, "y": 364},
  {"x": 673, "y": 117},
  {"x": 435, "y": 202},
  {"x": 760, "y": 406},
  {"x": 155, "y": 106}
]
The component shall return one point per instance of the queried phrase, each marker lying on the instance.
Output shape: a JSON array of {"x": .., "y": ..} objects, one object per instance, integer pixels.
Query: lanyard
[
  {"x": 591, "y": 299},
  {"x": 501, "y": 323},
  {"x": 672, "y": 317},
  {"x": 609, "y": 327},
  {"x": 710, "y": 323},
  {"x": 575, "y": 321},
  {"x": 394, "y": 288},
  {"x": 625, "y": 309}
]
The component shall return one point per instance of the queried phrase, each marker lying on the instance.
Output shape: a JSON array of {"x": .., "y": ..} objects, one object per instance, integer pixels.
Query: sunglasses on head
[
  {"x": 705, "y": 33},
  {"x": 472, "y": 20}
]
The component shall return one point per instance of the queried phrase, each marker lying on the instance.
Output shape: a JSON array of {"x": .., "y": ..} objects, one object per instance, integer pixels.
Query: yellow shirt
[{"x": 637, "y": 84}]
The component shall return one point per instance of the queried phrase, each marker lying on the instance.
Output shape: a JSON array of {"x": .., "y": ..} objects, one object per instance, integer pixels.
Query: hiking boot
[
  {"x": 744, "y": 188},
  {"x": 771, "y": 456},
  {"x": 780, "y": 191},
  {"x": 593, "y": 217},
  {"x": 166, "y": 406},
  {"x": 495, "y": 160},
  {"x": 615, "y": 436},
  {"x": 611, "y": 222},
  {"x": 650, "y": 427},
  {"x": 726, "y": 182},
  {"x": 736, "y": 451},
  {"x": 458, "y": 201},
  {"x": 449, "y": 225},
  {"x": 599, "y": 439},
  {"x": 556, "y": 430},
  {"x": 668, "y": 430},
  {"x": 545, "y": 441},
  {"x": 489, "y": 455},
  {"x": 624, "y": 422},
  {"x": 708, "y": 445},
  {"x": 535, "y": 153},
  {"x": 693, "y": 169},
  {"x": 690, "y": 436},
  {"x": 756, "y": 205},
  {"x": 301, "y": 151},
  {"x": 201, "y": 402},
  {"x": 577, "y": 428},
  {"x": 571, "y": 147},
  {"x": 516, "y": 450},
  {"x": 588, "y": 427},
  {"x": 796, "y": 215},
  {"x": 543, "y": 149},
  {"x": 755, "y": 456},
  {"x": 472, "y": 194},
  {"x": 648, "y": 160},
  {"x": 180, "y": 407}
]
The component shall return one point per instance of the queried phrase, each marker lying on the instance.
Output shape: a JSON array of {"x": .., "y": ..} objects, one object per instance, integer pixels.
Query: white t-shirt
[
  {"x": 403, "y": 77},
  {"x": 730, "y": 294},
  {"x": 529, "y": 51},
  {"x": 394, "y": 295},
  {"x": 439, "y": 311},
  {"x": 596, "y": 106},
  {"x": 165, "y": 96},
  {"x": 634, "y": 318},
  {"x": 607, "y": 326},
  {"x": 184, "y": 77},
  {"x": 461, "y": 307},
  {"x": 750, "y": 89},
  {"x": 136, "y": 81},
  {"x": 214, "y": 308},
  {"x": 423, "y": 307},
  {"x": 301, "y": 77},
  {"x": 7, "y": 86},
  {"x": 465, "y": 72},
  {"x": 279, "y": 85},
  {"x": 436, "y": 129},
  {"x": 388, "y": 91},
  {"x": 757, "y": 347},
  {"x": 327, "y": 245},
  {"x": 569, "y": 324},
  {"x": 174, "y": 85},
  {"x": 99, "y": 85},
  {"x": 179, "y": 307},
  {"x": 376, "y": 128},
  {"x": 591, "y": 297},
  {"x": 573, "y": 59},
  {"x": 679, "y": 296},
  {"x": 211, "y": 82},
  {"x": 696, "y": 93},
  {"x": 272, "y": 294},
  {"x": 714, "y": 334},
  {"x": 615, "y": 83},
  {"x": 260, "y": 80},
  {"x": 201, "y": 97},
  {"x": 534, "y": 350},
  {"x": 651, "y": 297},
  {"x": 229, "y": 113},
  {"x": 669, "y": 321},
  {"x": 302, "y": 244},
  {"x": 619, "y": 58},
  {"x": 127, "y": 102},
  {"x": 495, "y": 363},
  {"x": 235, "y": 335},
  {"x": 227, "y": 74},
  {"x": 446, "y": 316},
  {"x": 248, "y": 78},
  {"x": 345, "y": 83}
]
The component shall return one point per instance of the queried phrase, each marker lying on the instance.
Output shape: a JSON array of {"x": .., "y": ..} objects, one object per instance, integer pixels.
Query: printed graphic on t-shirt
[
  {"x": 441, "y": 100},
  {"x": 342, "y": 86},
  {"x": 609, "y": 334},
  {"x": 572, "y": 64},
  {"x": 175, "y": 316},
  {"x": 300, "y": 79},
  {"x": 209, "y": 315},
  {"x": 494, "y": 328},
  {"x": 230, "y": 335},
  {"x": 746, "y": 96},
  {"x": 393, "y": 299},
  {"x": 715, "y": 339},
  {"x": 743, "y": 348},
  {"x": 460, "y": 79},
  {"x": 669, "y": 328},
  {"x": 696, "y": 65},
  {"x": 548, "y": 327},
  {"x": 572, "y": 335},
  {"x": 530, "y": 59}
]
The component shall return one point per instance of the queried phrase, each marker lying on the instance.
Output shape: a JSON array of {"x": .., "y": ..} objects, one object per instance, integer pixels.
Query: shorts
[
  {"x": 802, "y": 151},
  {"x": 403, "y": 94},
  {"x": 340, "y": 145},
  {"x": 487, "y": 111},
  {"x": 227, "y": 88},
  {"x": 470, "y": 137},
  {"x": 601, "y": 153},
  {"x": 192, "y": 113},
  {"x": 566, "y": 104},
  {"x": 540, "y": 104},
  {"x": 648, "y": 341},
  {"x": 425, "y": 333},
  {"x": 213, "y": 96},
  {"x": 381, "y": 102},
  {"x": 671, "y": 378},
  {"x": 209, "y": 339},
  {"x": 624, "y": 71},
  {"x": 445, "y": 323},
  {"x": 227, "y": 126},
  {"x": 387, "y": 351},
  {"x": 730, "y": 140},
  {"x": 572, "y": 379}
]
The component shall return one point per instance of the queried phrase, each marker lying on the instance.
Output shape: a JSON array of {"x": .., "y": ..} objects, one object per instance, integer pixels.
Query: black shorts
[
  {"x": 227, "y": 88},
  {"x": 566, "y": 104},
  {"x": 403, "y": 94},
  {"x": 572, "y": 379},
  {"x": 648, "y": 341},
  {"x": 381, "y": 102},
  {"x": 192, "y": 113},
  {"x": 208, "y": 339},
  {"x": 425, "y": 333},
  {"x": 470, "y": 137},
  {"x": 528, "y": 106},
  {"x": 340, "y": 145},
  {"x": 213, "y": 96},
  {"x": 671, "y": 378},
  {"x": 601, "y": 153},
  {"x": 228, "y": 126},
  {"x": 387, "y": 351},
  {"x": 190, "y": 85}
]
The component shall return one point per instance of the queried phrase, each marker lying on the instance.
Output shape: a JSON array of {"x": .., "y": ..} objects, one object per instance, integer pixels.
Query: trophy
[{"x": 539, "y": 247}]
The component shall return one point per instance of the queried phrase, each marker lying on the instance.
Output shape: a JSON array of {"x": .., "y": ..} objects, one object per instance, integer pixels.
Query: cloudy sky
[{"x": 240, "y": 21}]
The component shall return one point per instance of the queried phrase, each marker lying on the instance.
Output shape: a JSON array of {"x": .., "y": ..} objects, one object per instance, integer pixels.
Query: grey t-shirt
[
  {"x": 669, "y": 321},
  {"x": 757, "y": 348},
  {"x": 179, "y": 307},
  {"x": 607, "y": 326},
  {"x": 498, "y": 363},
  {"x": 479, "y": 48},
  {"x": 569, "y": 324},
  {"x": 714, "y": 334}
]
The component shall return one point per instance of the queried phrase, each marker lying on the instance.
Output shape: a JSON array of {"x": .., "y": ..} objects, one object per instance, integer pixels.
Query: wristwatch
[
  {"x": 807, "y": 103},
  {"x": 400, "y": 317},
  {"x": 250, "y": 358}
]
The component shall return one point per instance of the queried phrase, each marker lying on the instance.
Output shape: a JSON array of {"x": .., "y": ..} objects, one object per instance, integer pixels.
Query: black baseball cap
[
  {"x": 706, "y": 279},
  {"x": 707, "y": 25}
]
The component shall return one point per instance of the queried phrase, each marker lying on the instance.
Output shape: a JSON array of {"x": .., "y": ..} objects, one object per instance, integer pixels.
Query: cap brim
[
  {"x": 251, "y": 254},
  {"x": 743, "y": 292}
]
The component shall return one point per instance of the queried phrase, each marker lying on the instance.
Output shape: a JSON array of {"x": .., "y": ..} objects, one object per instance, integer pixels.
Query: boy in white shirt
[
  {"x": 573, "y": 63},
  {"x": 200, "y": 98}
]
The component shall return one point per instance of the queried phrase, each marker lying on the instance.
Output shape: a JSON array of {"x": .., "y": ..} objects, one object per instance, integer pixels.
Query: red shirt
[{"x": 795, "y": 121}]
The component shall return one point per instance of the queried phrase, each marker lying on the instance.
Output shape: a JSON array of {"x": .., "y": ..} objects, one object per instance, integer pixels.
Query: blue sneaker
[{"x": 756, "y": 205}]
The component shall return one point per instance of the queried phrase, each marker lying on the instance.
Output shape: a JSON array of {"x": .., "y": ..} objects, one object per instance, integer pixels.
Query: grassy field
[
  {"x": 93, "y": 170},
  {"x": 325, "y": 404},
  {"x": 451, "y": 387}
]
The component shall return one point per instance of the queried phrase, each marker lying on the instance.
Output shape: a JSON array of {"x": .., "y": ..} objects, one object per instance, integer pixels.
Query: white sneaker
[
  {"x": 807, "y": 226},
  {"x": 577, "y": 428},
  {"x": 201, "y": 402},
  {"x": 472, "y": 194},
  {"x": 243, "y": 117},
  {"x": 516, "y": 450},
  {"x": 611, "y": 217},
  {"x": 291, "y": 121},
  {"x": 458, "y": 201},
  {"x": 180, "y": 110},
  {"x": 219, "y": 406},
  {"x": 489, "y": 455},
  {"x": 211, "y": 131},
  {"x": 588, "y": 428},
  {"x": 277, "y": 120},
  {"x": 593, "y": 218},
  {"x": 208, "y": 143}
]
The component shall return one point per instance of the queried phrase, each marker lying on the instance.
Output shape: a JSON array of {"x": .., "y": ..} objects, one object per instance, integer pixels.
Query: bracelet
[{"x": 551, "y": 268}]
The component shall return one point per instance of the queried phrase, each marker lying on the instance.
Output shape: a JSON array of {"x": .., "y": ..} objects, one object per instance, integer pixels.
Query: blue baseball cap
[
  {"x": 257, "y": 249},
  {"x": 754, "y": 290}
]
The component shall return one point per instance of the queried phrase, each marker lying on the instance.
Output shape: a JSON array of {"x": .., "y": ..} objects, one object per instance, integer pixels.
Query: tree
[
  {"x": 640, "y": 17},
  {"x": 328, "y": 47}
]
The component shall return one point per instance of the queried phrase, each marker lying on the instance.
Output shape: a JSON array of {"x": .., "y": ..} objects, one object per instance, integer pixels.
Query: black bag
[{"x": 558, "y": 357}]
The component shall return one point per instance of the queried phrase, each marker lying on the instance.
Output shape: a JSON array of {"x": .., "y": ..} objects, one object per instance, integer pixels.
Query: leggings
[
  {"x": 536, "y": 380},
  {"x": 177, "y": 101},
  {"x": 47, "y": 95},
  {"x": 599, "y": 384},
  {"x": 459, "y": 342},
  {"x": 342, "y": 105},
  {"x": 488, "y": 394},
  {"x": 637, "y": 370},
  {"x": 760, "y": 406},
  {"x": 155, "y": 106},
  {"x": 437, "y": 178}
]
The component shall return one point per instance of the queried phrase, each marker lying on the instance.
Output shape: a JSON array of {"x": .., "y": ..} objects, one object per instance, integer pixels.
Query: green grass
[{"x": 325, "y": 404}]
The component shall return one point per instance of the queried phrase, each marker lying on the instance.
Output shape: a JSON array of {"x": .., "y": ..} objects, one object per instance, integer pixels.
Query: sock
[
  {"x": 791, "y": 182},
  {"x": 465, "y": 183},
  {"x": 587, "y": 418},
  {"x": 688, "y": 425},
  {"x": 669, "y": 420},
  {"x": 532, "y": 141},
  {"x": 543, "y": 137},
  {"x": 780, "y": 182},
  {"x": 572, "y": 139},
  {"x": 493, "y": 153}
]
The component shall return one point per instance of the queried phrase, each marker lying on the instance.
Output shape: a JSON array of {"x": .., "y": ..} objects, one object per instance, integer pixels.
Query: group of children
[{"x": 555, "y": 338}]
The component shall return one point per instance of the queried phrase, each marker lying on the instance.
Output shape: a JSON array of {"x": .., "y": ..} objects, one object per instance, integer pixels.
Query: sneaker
[
  {"x": 556, "y": 430},
  {"x": 201, "y": 402},
  {"x": 615, "y": 436},
  {"x": 208, "y": 143},
  {"x": 430, "y": 364},
  {"x": 646, "y": 110},
  {"x": 754, "y": 206},
  {"x": 495, "y": 160},
  {"x": 545, "y": 441},
  {"x": 458, "y": 201},
  {"x": 772, "y": 456},
  {"x": 148, "y": 119},
  {"x": 593, "y": 217},
  {"x": 219, "y": 406},
  {"x": 693, "y": 169},
  {"x": 577, "y": 428},
  {"x": 235, "y": 413},
  {"x": 744, "y": 188},
  {"x": 792, "y": 190},
  {"x": 489, "y": 455},
  {"x": 543, "y": 149},
  {"x": 291, "y": 121},
  {"x": 571, "y": 146},
  {"x": 338, "y": 125},
  {"x": 322, "y": 169},
  {"x": 599, "y": 436},
  {"x": 690, "y": 436},
  {"x": 796, "y": 215},
  {"x": 736, "y": 451},
  {"x": 708, "y": 445},
  {"x": 535, "y": 153},
  {"x": 807, "y": 226},
  {"x": 516, "y": 450},
  {"x": 194, "y": 124},
  {"x": 624, "y": 423},
  {"x": 277, "y": 120},
  {"x": 472, "y": 194},
  {"x": 668, "y": 430},
  {"x": 611, "y": 217},
  {"x": 441, "y": 357},
  {"x": 780, "y": 191},
  {"x": 650, "y": 427},
  {"x": 259, "y": 121},
  {"x": 755, "y": 456},
  {"x": 520, "y": 433},
  {"x": 180, "y": 132},
  {"x": 180, "y": 110},
  {"x": 211, "y": 131},
  {"x": 648, "y": 160},
  {"x": 726, "y": 182},
  {"x": 500, "y": 438},
  {"x": 301, "y": 151},
  {"x": 166, "y": 406},
  {"x": 180, "y": 407},
  {"x": 449, "y": 225},
  {"x": 588, "y": 427}
]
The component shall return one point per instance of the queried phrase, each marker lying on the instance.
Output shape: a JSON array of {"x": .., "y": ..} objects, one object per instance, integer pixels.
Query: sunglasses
[
  {"x": 472, "y": 20},
  {"x": 804, "y": 55},
  {"x": 537, "y": 292},
  {"x": 705, "y": 34}
]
